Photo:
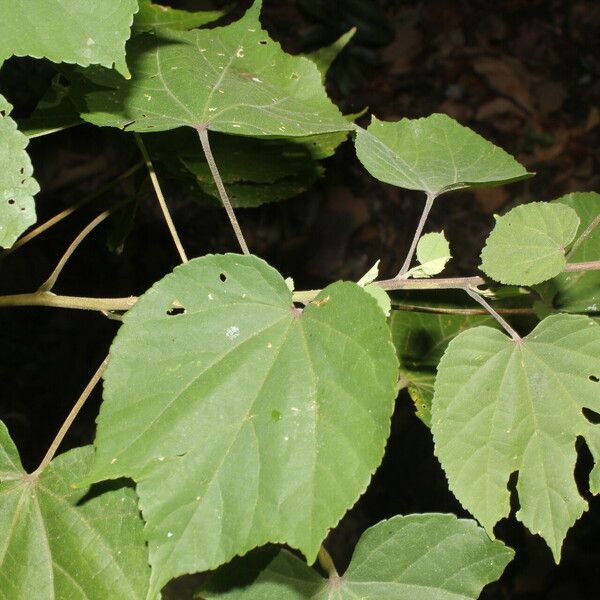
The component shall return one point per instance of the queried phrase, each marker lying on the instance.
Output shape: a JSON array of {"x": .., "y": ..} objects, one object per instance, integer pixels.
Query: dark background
[{"x": 523, "y": 73}]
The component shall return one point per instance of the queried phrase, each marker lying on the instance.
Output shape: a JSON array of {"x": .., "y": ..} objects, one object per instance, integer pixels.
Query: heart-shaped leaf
[
  {"x": 502, "y": 407},
  {"x": 434, "y": 154},
  {"x": 17, "y": 186},
  {"x": 243, "y": 419},
  {"x": 232, "y": 79},
  {"x": 433, "y": 252},
  {"x": 416, "y": 557},
  {"x": 71, "y": 31},
  {"x": 56, "y": 544},
  {"x": 527, "y": 244}
]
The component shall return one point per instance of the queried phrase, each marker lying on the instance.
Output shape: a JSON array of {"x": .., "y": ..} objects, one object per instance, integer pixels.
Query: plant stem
[
  {"x": 68, "y": 211},
  {"x": 586, "y": 233},
  {"x": 590, "y": 265},
  {"x": 411, "y": 252},
  {"x": 161, "y": 199},
  {"x": 212, "y": 165},
  {"x": 442, "y": 310},
  {"x": 505, "y": 325},
  {"x": 71, "y": 417},
  {"x": 326, "y": 562},
  {"x": 49, "y": 283}
]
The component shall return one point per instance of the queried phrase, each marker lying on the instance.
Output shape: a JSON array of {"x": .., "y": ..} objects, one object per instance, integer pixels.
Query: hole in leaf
[
  {"x": 591, "y": 415},
  {"x": 594, "y": 378},
  {"x": 11, "y": 200},
  {"x": 176, "y": 310},
  {"x": 22, "y": 170},
  {"x": 299, "y": 305},
  {"x": 223, "y": 277},
  {"x": 294, "y": 76},
  {"x": 263, "y": 42}
]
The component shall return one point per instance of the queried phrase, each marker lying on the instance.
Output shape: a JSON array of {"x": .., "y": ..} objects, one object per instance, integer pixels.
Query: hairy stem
[
  {"x": 411, "y": 252},
  {"x": 326, "y": 562},
  {"x": 49, "y": 283},
  {"x": 586, "y": 233},
  {"x": 212, "y": 165},
  {"x": 505, "y": 325},
  {"x": 71, "y": 417},
  {"x": 69, "y": 211},
  {"x": 75, "y": 302},
  {"x": 161, "y": 199}
]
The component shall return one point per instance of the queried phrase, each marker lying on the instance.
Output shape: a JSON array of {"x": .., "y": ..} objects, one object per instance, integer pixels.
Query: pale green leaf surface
[
  {"x": 434, "y": 154},
  {"x": 527, "y": 244},
  {"x": 232, "y": 79},
  {"x": 381, "y": 296},
  {"x": 578, "y": 291},
  {"x": 324, "y": 57},
  {"x": 17, "y": 186},
  {"x": 414, "y": 557},
  {"x": 502, "y": 407},
  {"x": 244, "y": 420},
  {"x": 433, "y": 252},
  {"x": 71, "y": 31},
  {"x": 154, "y": 16},
  {"x": 54, "y": 546},
  {"x": 370, "y": 276},
  {"x": 420, "y": 339}
]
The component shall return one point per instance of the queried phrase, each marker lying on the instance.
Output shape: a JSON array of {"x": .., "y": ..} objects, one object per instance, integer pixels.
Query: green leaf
[
  {"x": 527, "y": 244},
  {"x": 232, "y": 79},
  {"x": 324, "y": 57},
  {"x": 433, "y": 252},
  {"x": 155, "y": 16},
  {"x": 414, "y": 557},
  {"x": 434, "y": 154},
  {"x": 57, "y": 544},
  {"x": 502, "y": 407},
  {"x": 17, "y": 186},
  {"x": 244, "y": 420},
  {"x": 71, "y": 31},
  {"x": 420, "y": 339},
  {"x": 381, "y": 296},
  {"x": 578, "y": 291}
]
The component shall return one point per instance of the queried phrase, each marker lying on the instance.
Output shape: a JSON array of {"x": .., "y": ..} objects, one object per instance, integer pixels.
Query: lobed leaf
[
  {"x": 17, "y": 186},
  {"x": 232, "y": 79},
  {"x": 56, "y": 544},
  {"x": 502, "y": 407},
  {"x": 527, "y": 244},
  {"x": 244, "y": 420},
  {"x": 71, "y": 31},
  {"x": 414, "y": 557},
  {"x": 433, "y": 154}
]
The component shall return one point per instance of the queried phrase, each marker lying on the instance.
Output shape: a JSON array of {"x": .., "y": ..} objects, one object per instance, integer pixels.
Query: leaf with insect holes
[
  {"x": 232, "y": 79},
  {"x": 59, "y": 542},
  {"x": 434, "y": 154},
  {"x": 152, "y": 16},
  {"x": 503, "y": 407},
  {"x": 17, "y": 185},
  {"x": 578, "y": 291},
  {"x": 243, "y": 419},
  {"x": 420, "y": 339},
  {"x": 85, "y": 33},
  {"x": 527, "y": 244},
  {"x": 413, "y": 557},
  {"x": 433, "y": 252}
]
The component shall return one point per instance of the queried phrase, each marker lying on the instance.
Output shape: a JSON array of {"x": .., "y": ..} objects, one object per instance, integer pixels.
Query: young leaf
[
  {"x": 420, "y": 339},
  {"x": 243, "y": 419},
  {"x": 154, "y": 16},
  {"x": 578, "y": 291},
  {"x": 71, "y": 31},
  {"x": 57, "y": 544},
  {"x": 433, "y": 252},
  {"x": 416, "y": 557},
  {"x": 232, "y": 79},
  {"x": 527, "y": 244},
  {"x": 502, "y": 407},
  {"x": 17, "y": 186},
  {"x": 434, "y": 154}
]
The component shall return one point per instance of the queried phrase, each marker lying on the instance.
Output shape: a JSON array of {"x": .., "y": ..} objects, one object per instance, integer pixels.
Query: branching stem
[
  {"x": 505, "y": 325},
  {"x": 212, "y": 165},
  {"x": 71, "y": 417},
  {"x": 411, "y": 252},
  {"x": 161, "y": 198}
]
